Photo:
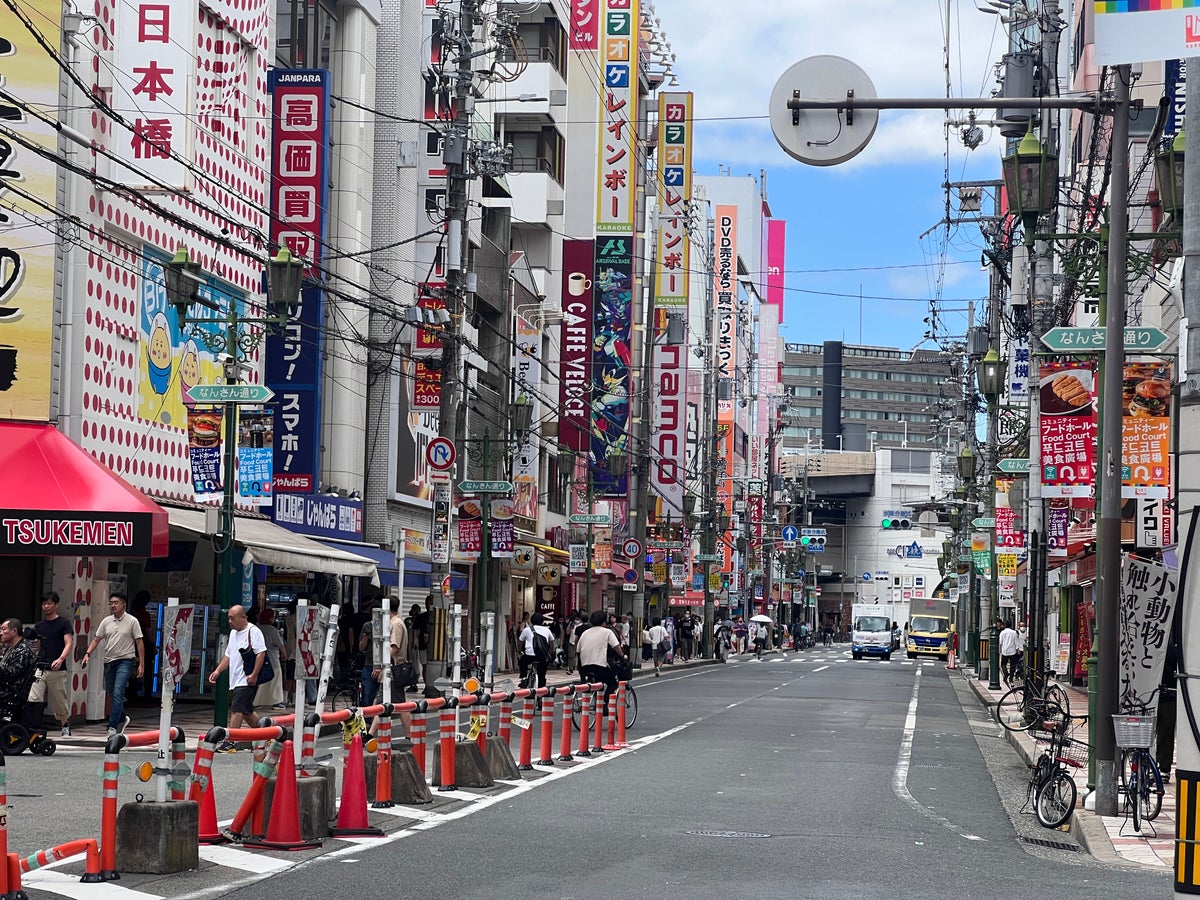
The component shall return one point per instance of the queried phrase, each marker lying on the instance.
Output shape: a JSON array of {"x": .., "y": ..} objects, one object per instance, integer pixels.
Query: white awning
[{"x": 269, "y": 544}]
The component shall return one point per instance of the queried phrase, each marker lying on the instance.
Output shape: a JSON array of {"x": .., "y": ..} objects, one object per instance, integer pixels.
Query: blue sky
[{"x": 864, "y": 216}]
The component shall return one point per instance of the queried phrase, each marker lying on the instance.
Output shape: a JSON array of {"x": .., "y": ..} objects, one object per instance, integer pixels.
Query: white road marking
[
  {"x": 70, "y": 886},
  {"x": 900, "y": 777},
  {"x": 821, "y": 669},
  {"x": 233, "y": 858}
]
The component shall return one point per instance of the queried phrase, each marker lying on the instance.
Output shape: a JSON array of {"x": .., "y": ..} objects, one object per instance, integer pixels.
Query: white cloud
[{"x": 732, "y": 64}]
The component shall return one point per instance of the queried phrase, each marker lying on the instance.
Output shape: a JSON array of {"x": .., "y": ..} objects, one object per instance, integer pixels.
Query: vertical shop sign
[
  {"x": 616, "y": 191},
  {"x": 1068, "y": 428},
  {"x": 611, "y": 371}
]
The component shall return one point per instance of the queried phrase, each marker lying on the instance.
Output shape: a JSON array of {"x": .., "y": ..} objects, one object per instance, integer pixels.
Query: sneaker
[
  {"x": 66, "y": 731},
  {"x": 227, "y": 747},
  {"x": 124, "y": 725}
]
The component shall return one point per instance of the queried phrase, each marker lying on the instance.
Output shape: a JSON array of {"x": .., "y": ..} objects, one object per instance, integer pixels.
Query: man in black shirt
[{"x": 55, "y": 640}]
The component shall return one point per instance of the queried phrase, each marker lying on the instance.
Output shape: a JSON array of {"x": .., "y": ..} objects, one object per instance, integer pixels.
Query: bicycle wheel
[
  {"x": 343, "y": 699},
  {"x": 1135, "y": 801},
  {"x": 1149, "y": 786},
  {"x": 1128, "y": 757},
  {"x": 1010, "y": 711},
  {"x": 576, "y": 711},
  {"x": 1056, "y": 695},
  {"x": 1055, "y": 800},
  {"x": 631, "y": 707}
]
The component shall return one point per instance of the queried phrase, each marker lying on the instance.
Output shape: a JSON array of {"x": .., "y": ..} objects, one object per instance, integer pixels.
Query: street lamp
[
  {"x": 1031, "y": 181},
  {"x": 991, "y": 375},
  {"x": 1168, "y": 177},
  {"x": 966, "y": 465},
  {"x": 183, "y": 277}
]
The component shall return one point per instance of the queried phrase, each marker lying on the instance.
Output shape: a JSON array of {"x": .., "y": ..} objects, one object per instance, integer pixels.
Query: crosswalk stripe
[{"x": 233, "y": 858}]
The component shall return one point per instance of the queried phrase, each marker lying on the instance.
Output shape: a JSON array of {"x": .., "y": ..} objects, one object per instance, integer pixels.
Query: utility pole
[
  {"x": 457, "y": 258},
  {"x": 1108, "y": 531},
  {"x": 1189, "y": 444}
]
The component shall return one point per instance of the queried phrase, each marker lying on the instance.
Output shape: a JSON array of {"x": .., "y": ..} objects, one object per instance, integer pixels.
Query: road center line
[{"x": 900, "y": 778}]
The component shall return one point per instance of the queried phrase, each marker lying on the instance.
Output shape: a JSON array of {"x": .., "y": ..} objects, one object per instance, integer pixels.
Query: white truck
[{"x": 871, "y": 630}]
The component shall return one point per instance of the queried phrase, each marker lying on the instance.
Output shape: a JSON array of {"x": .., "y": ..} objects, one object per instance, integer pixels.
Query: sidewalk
[
  {"x": 197, "y": 718},
  {"x": 1109, "y": 838}
]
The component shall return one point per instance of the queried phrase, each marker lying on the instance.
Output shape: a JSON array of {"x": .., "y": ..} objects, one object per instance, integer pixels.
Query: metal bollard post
[
  {"x": 525, "y": 760},
  {"x": 420, "y": 724},
  {"x": 546, "y": 744},
  {"x": 504, "y": 730},
  {"x": 564, "y": 752},
  {"x": 383, "y": 759},
  {"x": 621, "y": 708},
  {"x": 448, "y": 736},
  {"x": 612, "y": 723},
  {"x": 585, "y": 721},
  {"x": 598, "y": 737},
  {"x": 108, "y": 808}
]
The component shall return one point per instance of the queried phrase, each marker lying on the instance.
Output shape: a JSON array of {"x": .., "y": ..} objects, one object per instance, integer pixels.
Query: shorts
[{"x": 241, "y": 699}]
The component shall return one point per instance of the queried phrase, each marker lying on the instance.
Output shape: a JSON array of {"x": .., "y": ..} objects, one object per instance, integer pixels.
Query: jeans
[
  {"x": 116, "y": 680},
  {"x": 369, "y": 686}
]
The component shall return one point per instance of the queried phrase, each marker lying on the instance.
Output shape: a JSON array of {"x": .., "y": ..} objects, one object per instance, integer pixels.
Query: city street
[{"x": 805, "y": 775}]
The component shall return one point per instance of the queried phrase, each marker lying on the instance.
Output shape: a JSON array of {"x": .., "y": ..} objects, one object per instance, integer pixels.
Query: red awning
[{"x": 58, "y": 500}]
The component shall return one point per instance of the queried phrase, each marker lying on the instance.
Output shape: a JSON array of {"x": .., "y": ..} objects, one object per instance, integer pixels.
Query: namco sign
[{"x": 670, "y": 422}]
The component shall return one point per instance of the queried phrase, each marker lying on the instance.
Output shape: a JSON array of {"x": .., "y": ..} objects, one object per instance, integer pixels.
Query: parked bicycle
[
  {"x": 1032, "y": 701},
  {"x": 471, "y": 663},
  {"x": 631, "y": 707},
  {"x": 1141, "y": 780},
  {"x": 347, "y": 693},
  {"x": 1052, "y": 789}
]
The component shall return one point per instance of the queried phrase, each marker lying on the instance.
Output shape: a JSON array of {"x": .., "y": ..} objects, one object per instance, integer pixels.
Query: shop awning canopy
[
  {"x": 384, "y": 559},
  {"x": 56, "y": 499},
  {"x": 269, "y": 544}
]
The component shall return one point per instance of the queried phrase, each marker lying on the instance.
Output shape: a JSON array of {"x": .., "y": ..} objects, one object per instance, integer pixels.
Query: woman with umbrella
[{"x": 762, "y": 625}]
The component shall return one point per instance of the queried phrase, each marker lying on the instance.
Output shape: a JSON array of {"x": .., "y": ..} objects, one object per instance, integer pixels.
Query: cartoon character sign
[{"x": 172, "y": 360}]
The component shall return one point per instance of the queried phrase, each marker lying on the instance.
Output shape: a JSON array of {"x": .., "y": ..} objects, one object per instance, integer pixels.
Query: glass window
[{"x": 305, "y": 33}]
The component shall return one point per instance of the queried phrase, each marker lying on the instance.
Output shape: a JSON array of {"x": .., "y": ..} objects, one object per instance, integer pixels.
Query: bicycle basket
[
  {"x": 1133, "y": 731},
  {"x": 1073, "y": 753}
]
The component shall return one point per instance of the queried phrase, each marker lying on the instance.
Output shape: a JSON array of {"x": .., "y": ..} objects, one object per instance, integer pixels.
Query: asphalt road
[{"x": 807, "y": 776}]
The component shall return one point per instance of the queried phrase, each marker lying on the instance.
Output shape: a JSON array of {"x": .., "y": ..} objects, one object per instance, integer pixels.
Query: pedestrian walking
[
  {"x": 1010, "y": 648},
  {"x": 270, "y": 695},
  {"x": 55, "y": 641},
  {"x": 245, "y": 656},
  {"x": 951, "y": 663},
  {"x": 121, "y": 635},
  {"x": 658, "y": 640},
  {"x": 685, "y": 637}
]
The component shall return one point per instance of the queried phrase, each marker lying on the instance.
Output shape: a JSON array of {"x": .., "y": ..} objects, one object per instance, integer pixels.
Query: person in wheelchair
[{"x": 18, "y": 662}]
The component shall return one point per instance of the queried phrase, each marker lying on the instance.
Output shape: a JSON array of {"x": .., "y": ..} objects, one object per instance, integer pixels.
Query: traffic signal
[
  {"x": 810, "y": 540},
  {"x": 895, "y": 524}
]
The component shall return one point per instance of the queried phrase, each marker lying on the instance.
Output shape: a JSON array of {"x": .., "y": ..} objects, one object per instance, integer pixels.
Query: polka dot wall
[{"x": 229, "y": 144}]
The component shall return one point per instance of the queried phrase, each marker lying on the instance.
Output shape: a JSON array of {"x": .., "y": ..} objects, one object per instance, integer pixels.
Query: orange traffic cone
[
  {"x": 352, "y": 813},
  {"x": 283, "y": 829},
  {"x": 209, "y": 832}
]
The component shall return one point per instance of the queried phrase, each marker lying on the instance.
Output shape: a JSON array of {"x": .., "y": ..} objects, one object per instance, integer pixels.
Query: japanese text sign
[
  {"x": 673, "y": 254},
  {"x": 1068, "y": 429},
  {"x": 618, "y": 151},
  {"x": 152, "y": 76},
  {"x": 1148, "y": 597},
  {"x": 1146, "y": 430}
]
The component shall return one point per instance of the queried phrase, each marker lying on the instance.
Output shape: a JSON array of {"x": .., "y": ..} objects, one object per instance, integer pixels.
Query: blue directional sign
[{"x": 790, "y": 533}]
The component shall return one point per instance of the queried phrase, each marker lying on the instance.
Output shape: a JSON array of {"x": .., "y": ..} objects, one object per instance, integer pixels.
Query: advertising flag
[{"x": 1068, "y": 428}]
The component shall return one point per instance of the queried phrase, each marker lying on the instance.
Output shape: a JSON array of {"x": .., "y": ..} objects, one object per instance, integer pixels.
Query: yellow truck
[{"x": 928, "y": 632}]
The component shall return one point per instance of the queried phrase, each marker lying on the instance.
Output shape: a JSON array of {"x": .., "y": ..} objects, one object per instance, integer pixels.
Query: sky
[{"x": 866, "y": 216}]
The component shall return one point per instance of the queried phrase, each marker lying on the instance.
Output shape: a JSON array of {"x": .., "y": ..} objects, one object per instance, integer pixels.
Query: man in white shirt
[
  {"x": 593, "y": 646},
  {"x": 1010, "y": 648},
  {"x": 658, "y": 635},
  {"x": 243, "y": 685}
]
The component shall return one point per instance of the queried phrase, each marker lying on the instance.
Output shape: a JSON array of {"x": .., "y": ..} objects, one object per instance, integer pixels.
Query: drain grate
[
  {"x": 1053, "y": 845},
  {"x": 729, "y": 834}
]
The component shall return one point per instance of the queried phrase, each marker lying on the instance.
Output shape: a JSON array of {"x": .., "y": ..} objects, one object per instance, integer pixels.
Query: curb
[{"x": 1086, "y": 827}]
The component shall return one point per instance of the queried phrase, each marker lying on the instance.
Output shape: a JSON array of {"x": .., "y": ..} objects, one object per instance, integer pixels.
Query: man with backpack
[{"x": 536, "y": 640}]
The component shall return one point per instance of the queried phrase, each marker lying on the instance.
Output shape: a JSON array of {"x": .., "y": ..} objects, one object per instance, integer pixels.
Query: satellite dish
[{"x": 823, "y": 137}]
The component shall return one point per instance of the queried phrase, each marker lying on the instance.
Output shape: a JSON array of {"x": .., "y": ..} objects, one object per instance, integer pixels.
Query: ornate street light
[
  {"x": 522, "y": 414},
  {"x": 285, "y": 273},
  {"x": 991, "y": 374},
  {"x": 966, "y": 464},
  {"x": 184, "y": 277},
  {"x": 618, "y": 460},
  {"x": 689, "y": 505},
  {"x": 1168, "y": 177},
  {"x": 1031, "y": 181},
  {"x": 566, "y": 461}
]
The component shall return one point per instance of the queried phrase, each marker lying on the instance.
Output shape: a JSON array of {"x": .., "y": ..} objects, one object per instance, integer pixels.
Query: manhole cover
[
  {"x": 729, "y": 834},
  {"x": 1053, "y": 845}
]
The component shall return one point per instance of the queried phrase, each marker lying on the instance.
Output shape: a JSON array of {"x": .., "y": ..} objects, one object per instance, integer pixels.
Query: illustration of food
[
  {"x": 159, "y": 353},
  {"x": 1070, "y": 390},
  {"x": 189, "y": 371}
]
